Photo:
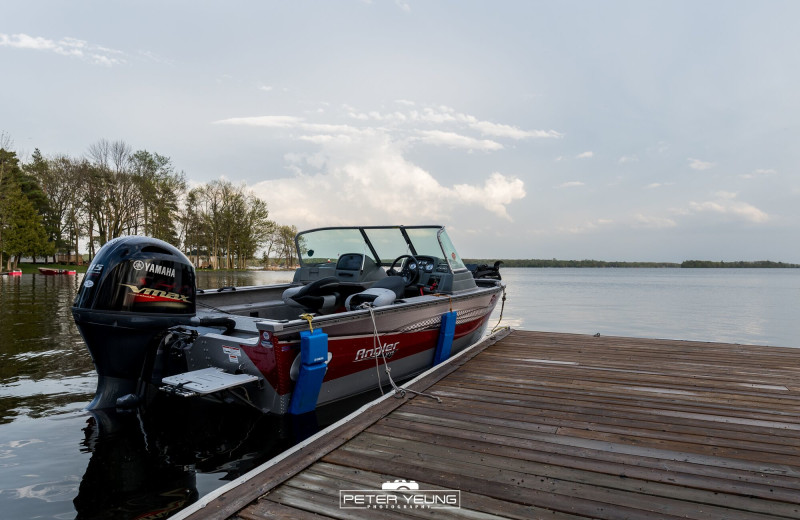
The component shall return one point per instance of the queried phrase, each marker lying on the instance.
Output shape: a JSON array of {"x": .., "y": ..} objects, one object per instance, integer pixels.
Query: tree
[
  {"x": 191, "y": 223},
  {"x": 160, "y": 189},
  {"x": 9, "y": 165},
  {"x": 56, "y": 178},
  {"x": 114, "y": 197},
  {"x": 22, "y": 229},
  {"x": 286, "y": 246},
  {"x": 256, "y": 229}
]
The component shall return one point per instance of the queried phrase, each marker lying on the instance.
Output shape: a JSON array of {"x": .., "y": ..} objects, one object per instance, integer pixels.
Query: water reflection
[
  {"x": 145, "y": 464},
  {"x": 43, "y": 362}
]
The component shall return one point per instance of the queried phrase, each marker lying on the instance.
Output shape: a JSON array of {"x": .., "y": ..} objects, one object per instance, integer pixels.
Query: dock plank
[{"x": 565, "y": 426}]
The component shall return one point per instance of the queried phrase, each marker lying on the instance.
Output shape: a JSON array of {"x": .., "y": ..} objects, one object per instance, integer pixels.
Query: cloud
[
  {"x": 585, "y": 227},
  {"x": 645, "y": 221},
  {"x": 697, "y": 164},
  {"x": 498, "y": 130},
  {"x": 360, "y": 169},
  {"x": 72, "y": 47},
  {"x": 628, "y": 159},
  {"x": 406, "y": 123},
  {"x": 727, "y": 205},
  {"x": 586, "y": 155},
  {"x": 496, "y": 193},
  {"x": 453, "y": 140},
  {"x": 265, "y": 121},
  {"x": 571, "y": 184},
  {"x": 443, "y": 115},
  {"x": 758, "y": 173},
  {"x": 367, "y": 177}
]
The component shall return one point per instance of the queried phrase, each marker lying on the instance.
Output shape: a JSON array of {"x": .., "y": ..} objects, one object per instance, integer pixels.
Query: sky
[{"x": 630, "y": 131}]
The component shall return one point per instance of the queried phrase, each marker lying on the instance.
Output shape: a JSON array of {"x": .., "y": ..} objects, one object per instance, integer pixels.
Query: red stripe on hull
[{"x": 351, "y": 354}]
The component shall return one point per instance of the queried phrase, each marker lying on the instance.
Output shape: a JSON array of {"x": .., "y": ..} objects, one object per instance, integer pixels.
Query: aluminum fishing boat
[{"x": 366, "y": 305}]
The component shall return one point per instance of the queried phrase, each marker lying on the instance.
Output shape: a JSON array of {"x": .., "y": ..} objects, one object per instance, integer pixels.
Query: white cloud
[
  {"x": 367, "y": 176},
  {"x": 498, "y": 130},
  {"x": 265, "y": 88},
  {"x": 570, "y": 184},
  {"x": 758, "y": 173},
  {"x": 646, "y": 221},
  {"x": 728, "y": 206},
  {"x": 360, "y": 168},
  {"x": 72, "y": 47},
  {"x": 628, "y": 159},
  {"x": 697, "y": 164},
  {"x": 586, "y": 155},
  {"x": 266, "y": 121},
  {"x": 453, "y": 140},
  {"x": 585, "y": 227},
  {"x": 496, "y": 193}
]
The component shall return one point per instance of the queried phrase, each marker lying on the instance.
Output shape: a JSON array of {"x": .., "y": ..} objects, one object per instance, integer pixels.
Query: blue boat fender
[
  {"x": 313, "y": 365},
  {"x": 447, "y": 332}
]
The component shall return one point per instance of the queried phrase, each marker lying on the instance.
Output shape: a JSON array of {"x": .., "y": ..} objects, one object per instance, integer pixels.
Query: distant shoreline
[{"x": 690, "y": 264}]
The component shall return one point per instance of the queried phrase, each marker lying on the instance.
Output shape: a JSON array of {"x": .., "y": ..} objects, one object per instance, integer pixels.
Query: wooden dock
[{"x": 547, "y": 425}]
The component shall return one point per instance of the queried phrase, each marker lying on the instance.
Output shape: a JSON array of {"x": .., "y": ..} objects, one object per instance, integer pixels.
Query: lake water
[{"x": 59, "y": 461}]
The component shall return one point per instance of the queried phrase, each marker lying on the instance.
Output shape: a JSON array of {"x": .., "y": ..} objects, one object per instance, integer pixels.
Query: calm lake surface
[{"x": 59, "y": 461}]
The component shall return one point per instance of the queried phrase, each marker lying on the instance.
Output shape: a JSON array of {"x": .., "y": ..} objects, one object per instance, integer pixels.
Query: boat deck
[{"x": 550, "y": 425}]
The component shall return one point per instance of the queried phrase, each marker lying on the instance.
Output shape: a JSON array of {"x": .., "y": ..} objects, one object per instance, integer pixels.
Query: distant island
[{"x": 760, "y": 264}]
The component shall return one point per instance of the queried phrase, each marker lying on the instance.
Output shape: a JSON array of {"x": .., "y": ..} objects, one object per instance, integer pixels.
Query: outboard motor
[
  {"x": 135, "y": 288},
  {"x": 486, "y": 271}
]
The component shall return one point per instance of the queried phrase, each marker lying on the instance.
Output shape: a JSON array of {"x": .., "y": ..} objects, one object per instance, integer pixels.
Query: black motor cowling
[
  {"x": 135, "y": 288},
  {"x": 486, "y": 271}
]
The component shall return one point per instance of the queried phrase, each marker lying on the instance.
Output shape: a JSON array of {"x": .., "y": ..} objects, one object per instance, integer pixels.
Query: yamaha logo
[{"x": 138, "y": 265}]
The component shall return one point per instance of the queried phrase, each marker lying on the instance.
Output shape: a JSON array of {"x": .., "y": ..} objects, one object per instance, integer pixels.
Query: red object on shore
[{"x": 15, "y": 272}]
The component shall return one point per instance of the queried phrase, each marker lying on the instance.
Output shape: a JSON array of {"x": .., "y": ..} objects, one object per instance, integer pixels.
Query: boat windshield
[{"x": 382, "y": 244}]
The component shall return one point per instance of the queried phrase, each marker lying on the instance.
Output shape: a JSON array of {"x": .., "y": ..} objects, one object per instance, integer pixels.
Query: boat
[
  {"x": 14, "y": 272},
  {"x": 367, "y": 306},
  {"x": 49, "y": 272}
]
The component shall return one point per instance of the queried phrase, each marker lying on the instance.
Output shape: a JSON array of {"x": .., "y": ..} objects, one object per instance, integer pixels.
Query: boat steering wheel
[{"x": 409, "y": 273}]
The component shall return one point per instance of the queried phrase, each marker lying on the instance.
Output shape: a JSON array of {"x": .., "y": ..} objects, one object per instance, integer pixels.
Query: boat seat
[
  {"x": 320, "y": 296},
  {"x": 384, "y": 292}
]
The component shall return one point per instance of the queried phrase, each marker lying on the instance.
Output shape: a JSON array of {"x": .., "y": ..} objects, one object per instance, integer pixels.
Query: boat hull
[
  {"x": 406, "y": 340},
  {"x": 50, "y": 272}
]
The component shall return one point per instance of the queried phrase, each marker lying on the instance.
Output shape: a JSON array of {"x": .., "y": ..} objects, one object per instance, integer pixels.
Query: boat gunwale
[{"x": 430, "y": 300}]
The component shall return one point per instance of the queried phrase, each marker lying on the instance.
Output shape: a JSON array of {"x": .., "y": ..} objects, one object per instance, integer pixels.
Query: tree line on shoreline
[
  {"x": 52, "y": 205},
  {"x": 600, "y": 263}
]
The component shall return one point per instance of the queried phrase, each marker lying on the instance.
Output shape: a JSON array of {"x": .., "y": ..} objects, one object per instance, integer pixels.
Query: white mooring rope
[{"x": 399, "y": 392}]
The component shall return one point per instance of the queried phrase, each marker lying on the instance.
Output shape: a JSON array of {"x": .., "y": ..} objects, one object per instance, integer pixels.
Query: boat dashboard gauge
[{"x": 426, "y": 264}]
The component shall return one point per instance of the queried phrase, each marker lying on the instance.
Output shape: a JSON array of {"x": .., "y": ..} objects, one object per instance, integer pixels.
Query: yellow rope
[{"x": 308, "y": 318}]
